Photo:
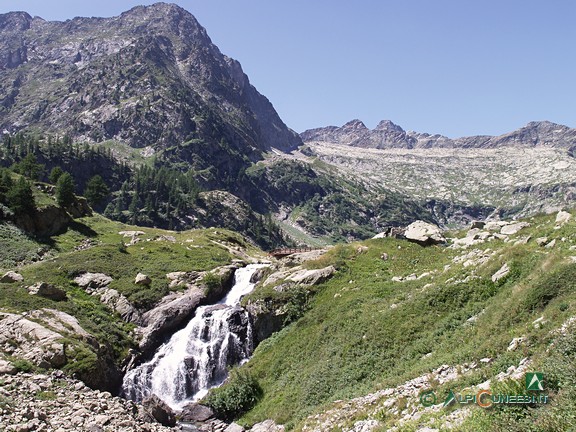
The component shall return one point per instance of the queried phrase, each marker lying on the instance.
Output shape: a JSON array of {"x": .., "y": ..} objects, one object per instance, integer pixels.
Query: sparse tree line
[{"x": 147, "y": 195}]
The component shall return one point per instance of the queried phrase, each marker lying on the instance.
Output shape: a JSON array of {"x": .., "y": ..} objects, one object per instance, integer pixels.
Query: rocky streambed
[{"x": 56, "y": 403}]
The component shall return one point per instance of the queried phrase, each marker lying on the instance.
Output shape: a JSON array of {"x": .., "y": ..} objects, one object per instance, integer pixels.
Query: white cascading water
[{"x": 196, "y": 358}]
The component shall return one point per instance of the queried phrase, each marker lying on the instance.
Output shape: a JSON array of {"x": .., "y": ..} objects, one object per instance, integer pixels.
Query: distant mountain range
[{"x": 389, "y": 135}]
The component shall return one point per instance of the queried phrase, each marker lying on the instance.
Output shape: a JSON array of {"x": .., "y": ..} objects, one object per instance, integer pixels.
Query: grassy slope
[
  {"x": 192, "y": 250},
  {"x": 353, "y": 341}
]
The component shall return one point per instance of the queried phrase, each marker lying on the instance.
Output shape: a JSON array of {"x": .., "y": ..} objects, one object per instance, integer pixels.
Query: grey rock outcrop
[
  {"x": 312, "y": 277},
  {"x": 562, "y": 217},
  {"x": 501, "y": 273},
  {"x": 97, "y": 285},
  {"x": 182, "y": 279},
  {"x": 29, "y": 340},
  {"x": 513, "y": 228},
  {"x": 11, "y": 277},
  {"x": 424, "y": 233},
  {"x": 267, "y": 426},
  {"x": 269, "y": 315},
  {"x": 93, "y": 280},
  {"x": 120, "y": 304},
  {"x": 45, "y": 221},
  {"x": 7, "y": 368},
  {"x": 47, "y": 290},
  {"x": 170, "y": 314},
  {"x": 234, "y": 427},
  {"x": 159, "y": 410},
  {"x": 196, "y": 413},
  {"x": 49, "y": 338},
  {"x": 57, "y": 403},
  {"x": 142, "y": 279}
]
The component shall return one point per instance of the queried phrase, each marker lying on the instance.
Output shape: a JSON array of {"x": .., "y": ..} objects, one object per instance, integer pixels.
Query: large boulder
[
  {"x": 159, "y": 410},
  {"x": 267, "y": 426},
  {"x": 97, "y": 285},
  {"x": 424, "y": 233},
  {"x": 11, "y": 277},
  {"x": 29, "y": 340},
  {"x": 182, "y": 278},
  {"x": 93, "y": 280},
  {"x": 267, "y": 318},
  {"x": 7, "y": 368},
  {"x": 47, "y": 290},
  {"x": 174, "y": 310},
  {"x": 49, "y": 338},
  {"x": 312, "y": 277},
  {"x": 196, "y": 413},
  {"x": 513, "y": 228},
  {"x": 142, "y": 279},
  {"x": 120, "y": 304},
  {"x": 45, "y": 221},
  {"x": 79, "y": 208},
  {"x": 562, "y": 217},
  {"x": 501, "y": 273}
]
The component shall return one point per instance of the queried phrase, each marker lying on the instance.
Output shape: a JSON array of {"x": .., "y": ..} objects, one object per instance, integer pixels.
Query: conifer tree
[
  {"x": 20, "y": 198},
  {"x": 55, "y": 174},
  {"x": 96, "y": 190},
  {"x": 65, "y": 190}
]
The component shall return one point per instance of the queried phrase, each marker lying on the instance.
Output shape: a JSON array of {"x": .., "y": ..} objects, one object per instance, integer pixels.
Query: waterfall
[{"x": 196, "y": 358}]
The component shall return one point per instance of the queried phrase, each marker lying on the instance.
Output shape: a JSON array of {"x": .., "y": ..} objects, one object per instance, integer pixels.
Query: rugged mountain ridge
[
  {"x": 388, "y": 135},
  {"x": 150, "y": 77},
  {"x": 520, "y": 173}
]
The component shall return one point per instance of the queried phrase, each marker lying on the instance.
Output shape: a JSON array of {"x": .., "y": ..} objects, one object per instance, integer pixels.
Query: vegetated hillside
[
  {"x": 521, "y": 173},
  {"x": 311, "y": 199},
  {"x": 278, "y": 201},
  {"x": 51, "y": 319},
  {"x": 398, "y": 316},
  {"x": 146, "y": 194}
]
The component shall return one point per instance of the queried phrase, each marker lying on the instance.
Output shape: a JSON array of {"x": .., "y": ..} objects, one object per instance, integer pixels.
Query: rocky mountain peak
[
  {"x": 387, "y": 125},
  {"x": 389, "y": 135},
  {"x": 355, "y": 125},
  {"x": 166, "y": 17},
  {"x": 15, "y": 21},
  {"x": 149, "y": 77}
]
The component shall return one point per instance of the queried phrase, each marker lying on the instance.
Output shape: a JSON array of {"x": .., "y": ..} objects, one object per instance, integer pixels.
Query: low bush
[
  {"x": 238, "y": 395},
  {"x": 548, "y": 287}
]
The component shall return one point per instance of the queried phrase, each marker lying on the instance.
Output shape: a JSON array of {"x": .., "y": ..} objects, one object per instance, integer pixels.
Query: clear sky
[{"x": 455, "y": 67}]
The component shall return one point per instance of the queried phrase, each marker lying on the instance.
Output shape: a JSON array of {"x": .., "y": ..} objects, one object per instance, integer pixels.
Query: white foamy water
[{"x": 196, "y": 358}]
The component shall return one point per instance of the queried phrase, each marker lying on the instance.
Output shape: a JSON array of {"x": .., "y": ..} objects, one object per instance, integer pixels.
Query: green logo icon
[
  {"x": 534, "y": 381},
  {"x": 450, "y": 398},
  {"x": 428, "y": 398}
]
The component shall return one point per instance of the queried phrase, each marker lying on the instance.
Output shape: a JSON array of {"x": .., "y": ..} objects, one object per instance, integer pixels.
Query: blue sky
[{"x": 445, "y": 66}]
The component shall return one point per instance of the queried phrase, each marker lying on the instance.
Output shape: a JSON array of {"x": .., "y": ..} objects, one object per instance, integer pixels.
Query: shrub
[
  {"x": 238, "y": 395},
  {"x": 22, "y": 365},
  {"x": 550, "y": 286},
  {"x": 296, "y": 304},
  {"x": 213, "y": 282}
]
